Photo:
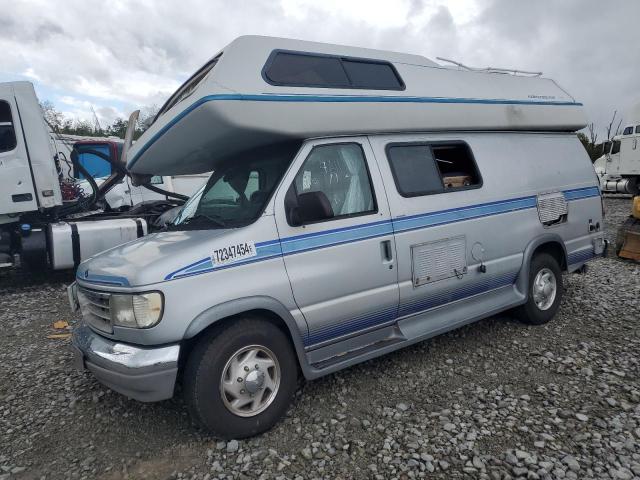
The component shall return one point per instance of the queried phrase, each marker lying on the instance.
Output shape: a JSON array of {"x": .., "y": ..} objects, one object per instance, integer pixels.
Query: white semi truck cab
[
  {"x": 60, "y": 205},
  {"x": 619, "y": 167}
]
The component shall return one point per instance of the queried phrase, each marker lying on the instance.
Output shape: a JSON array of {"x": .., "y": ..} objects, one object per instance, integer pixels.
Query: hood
[{"x": 149, "y": 259}]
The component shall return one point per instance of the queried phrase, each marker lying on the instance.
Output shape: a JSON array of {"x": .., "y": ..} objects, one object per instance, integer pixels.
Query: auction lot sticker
[{"x": 233, "y": 253}]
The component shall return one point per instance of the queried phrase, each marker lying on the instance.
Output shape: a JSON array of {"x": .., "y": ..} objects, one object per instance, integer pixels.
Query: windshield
[
  {"x": 616, "y": 147},
  {"x": 235, "y": 194}
]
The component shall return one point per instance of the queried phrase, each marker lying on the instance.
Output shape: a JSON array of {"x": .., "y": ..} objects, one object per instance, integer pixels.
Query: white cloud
[{"x": 122, "y": 55}]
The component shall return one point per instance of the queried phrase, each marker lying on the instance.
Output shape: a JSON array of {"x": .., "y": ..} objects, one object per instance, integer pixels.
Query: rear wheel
[
  {"x": 239, "y": 381},
  {"x": 545, "y": 290}
]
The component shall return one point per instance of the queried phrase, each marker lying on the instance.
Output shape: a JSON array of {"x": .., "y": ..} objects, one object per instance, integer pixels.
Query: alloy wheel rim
[
  {"x": 250, "y": 381},
  {"x": 545, "y": 288}
]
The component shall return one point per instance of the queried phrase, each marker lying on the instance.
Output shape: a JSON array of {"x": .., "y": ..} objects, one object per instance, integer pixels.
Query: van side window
[
  {"x": 423, "y": 169},
  {"x": 637, "y": 128},
  {"x": 340, "y": 172},
  {"x": 300, "y": 69},
  {"x": 627, "y": 131},
  {"x": 414, "y": 170},
  {"x": 7, "y": 132},
  {"x": 456, "y": 165}
]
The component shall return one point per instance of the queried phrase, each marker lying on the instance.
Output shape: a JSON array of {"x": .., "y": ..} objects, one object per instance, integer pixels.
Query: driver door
[
  {"x": 342, "y": 268},
  {"x": 17, "y": 193}
]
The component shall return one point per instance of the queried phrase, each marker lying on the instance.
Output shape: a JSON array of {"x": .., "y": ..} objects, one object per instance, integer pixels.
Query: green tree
[
  {"x": 118, "y": 128},
  {"x": 54, "y": 118},
  {"x": 74, "y": 126},
  {"x": 594, "y": 150}
]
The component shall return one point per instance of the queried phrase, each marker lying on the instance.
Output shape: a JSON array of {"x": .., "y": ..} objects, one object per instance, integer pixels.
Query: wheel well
[
  {"x": 555, "y": 250},
  {"x": 262, "y": 314}
]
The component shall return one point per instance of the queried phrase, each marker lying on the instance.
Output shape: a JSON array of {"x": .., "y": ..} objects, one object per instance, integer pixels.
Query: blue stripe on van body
[
  {"x": 391, "y": 314},
  {"x": 432, "y": 219},
  {"x": 316, "y": 98},
  {"x": 580, "y": 256},
  {"x": 362, "y": 322},
  {"x": 578, "y": 193},
  {"x": 417, "y": 305},
  {"x": 264, "y": 251},
  {"x": 356, "y": 233},
  {"x": 330, "y": 238}
]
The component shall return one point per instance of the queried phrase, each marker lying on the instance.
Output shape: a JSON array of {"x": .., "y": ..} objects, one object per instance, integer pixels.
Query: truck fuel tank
[{"x": 73, "y": 242}]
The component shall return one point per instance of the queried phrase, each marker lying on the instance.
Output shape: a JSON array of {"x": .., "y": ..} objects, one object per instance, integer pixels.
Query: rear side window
[
  {"x": 627, "y": 131},
  {"x": 7, "y": 131},
  {"x": 637, "y": 128},
  {"x": 423, "y": 169},
  {"x": 299, "y": 69}
]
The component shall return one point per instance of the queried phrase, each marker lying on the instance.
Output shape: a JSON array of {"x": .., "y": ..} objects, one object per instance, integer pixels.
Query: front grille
[{"x": 95, "y": 309}]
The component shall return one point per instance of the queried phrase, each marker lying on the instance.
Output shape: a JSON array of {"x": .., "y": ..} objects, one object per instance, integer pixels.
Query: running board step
[{"x": 357, "y": 353}]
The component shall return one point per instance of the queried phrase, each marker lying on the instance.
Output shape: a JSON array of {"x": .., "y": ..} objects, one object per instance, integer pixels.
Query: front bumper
[{"x": 147, "y": 374}]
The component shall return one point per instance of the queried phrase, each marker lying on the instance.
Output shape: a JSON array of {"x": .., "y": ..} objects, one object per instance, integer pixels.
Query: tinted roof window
[
  {"x": 7, "y": 133},
  {"x": 307, "y": 70},
  {"x": 372, "y": 75},
  {"x": 315, "y": 70}
]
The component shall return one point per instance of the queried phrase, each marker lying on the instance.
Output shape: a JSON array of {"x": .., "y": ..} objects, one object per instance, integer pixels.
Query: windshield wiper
[{"x": 202, "y": 218}]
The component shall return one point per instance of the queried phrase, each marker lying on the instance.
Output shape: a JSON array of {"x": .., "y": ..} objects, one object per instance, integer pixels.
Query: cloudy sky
[{"x": 118, "y": 55}]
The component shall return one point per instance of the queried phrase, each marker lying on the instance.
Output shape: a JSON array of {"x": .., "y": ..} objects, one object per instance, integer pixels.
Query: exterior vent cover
[
  {"x": 552, "y": 208},
  {"x": 438, "y": 260}
]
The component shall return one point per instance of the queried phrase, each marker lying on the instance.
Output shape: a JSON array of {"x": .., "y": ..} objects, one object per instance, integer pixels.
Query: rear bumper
[{"x": 147, "y": 374}]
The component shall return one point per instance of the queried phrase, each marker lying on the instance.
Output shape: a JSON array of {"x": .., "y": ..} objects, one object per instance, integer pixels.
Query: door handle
[{"x": 386, "y": 251}]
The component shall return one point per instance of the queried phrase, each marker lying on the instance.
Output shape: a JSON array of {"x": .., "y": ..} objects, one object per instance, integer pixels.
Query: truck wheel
[
  {"x": 545, "y": 290},
  {"x": 239, "y": 381}
]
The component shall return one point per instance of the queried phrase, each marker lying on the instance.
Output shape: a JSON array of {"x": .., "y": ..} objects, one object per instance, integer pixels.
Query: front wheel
[
  {"x": 239, "y": 381},
  {"x": 545, "y": 290}
]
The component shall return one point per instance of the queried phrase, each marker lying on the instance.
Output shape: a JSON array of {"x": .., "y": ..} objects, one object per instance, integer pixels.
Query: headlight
[{"x": 136, "y": 311}]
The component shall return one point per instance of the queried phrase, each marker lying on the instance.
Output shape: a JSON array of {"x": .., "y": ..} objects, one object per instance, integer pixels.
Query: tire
[
  {"x": 216, "y": 403},
  {"x": 540, "y": 309}
]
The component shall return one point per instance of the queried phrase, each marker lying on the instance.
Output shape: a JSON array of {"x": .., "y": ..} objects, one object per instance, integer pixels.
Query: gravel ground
[{"x": 496, "y": 399}]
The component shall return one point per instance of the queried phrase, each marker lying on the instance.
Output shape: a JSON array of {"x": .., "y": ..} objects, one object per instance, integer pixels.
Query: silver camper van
[{"x": 361, "y": 201}]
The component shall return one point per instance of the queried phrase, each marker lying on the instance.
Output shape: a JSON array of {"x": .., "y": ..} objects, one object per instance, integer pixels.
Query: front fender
[{"x": 235, "y": 307}]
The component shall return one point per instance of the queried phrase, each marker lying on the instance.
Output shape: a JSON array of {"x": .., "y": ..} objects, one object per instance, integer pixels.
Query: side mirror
[
  {"x": 311, "y": 207},
  {"x": 293, "y": 216}
]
